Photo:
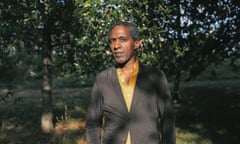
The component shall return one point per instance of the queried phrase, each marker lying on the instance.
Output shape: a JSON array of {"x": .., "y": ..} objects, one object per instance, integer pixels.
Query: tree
[
  {"x": 70, "y": 37},
  {"x": 198, "y": 33},
  {"x": 30, "y": 29}
]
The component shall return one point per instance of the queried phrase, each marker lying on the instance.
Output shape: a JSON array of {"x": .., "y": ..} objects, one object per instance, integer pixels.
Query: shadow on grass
[
  {"x": 21, "y": 114},
  {"x": 211, "y": 109},
  {"x": 208, "y": 114}
]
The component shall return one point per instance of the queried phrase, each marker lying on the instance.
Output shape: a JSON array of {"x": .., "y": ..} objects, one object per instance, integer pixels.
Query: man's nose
[{"x": 117, "y": 45}]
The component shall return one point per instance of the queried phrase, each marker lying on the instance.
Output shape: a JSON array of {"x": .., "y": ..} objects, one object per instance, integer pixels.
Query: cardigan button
[{"x": 129, "y": 118}]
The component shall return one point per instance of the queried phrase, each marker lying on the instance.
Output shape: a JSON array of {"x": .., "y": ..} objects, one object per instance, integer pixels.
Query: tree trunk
[
  {"x": 178, "y": 74},
  {"x": 47, "y": 80},
  {"x": 176, "y": 86},
  {"x": 47, "y": 115}
]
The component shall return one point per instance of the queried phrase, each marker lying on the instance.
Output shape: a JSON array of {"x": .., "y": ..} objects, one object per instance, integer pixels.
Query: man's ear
[{"x": 137, "y": 44}]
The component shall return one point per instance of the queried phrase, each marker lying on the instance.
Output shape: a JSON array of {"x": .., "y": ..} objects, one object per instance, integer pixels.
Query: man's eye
[
  {"x": 112, "y": 40},
  {"x": 123, "y": 40}
]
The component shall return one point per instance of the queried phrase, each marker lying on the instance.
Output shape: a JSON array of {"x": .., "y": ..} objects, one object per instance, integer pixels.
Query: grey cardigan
[{"x": 150, "y": 120}]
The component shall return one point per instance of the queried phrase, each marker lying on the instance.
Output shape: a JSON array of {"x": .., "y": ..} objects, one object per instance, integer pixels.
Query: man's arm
[
  {"x": 167, "y": 112},
  {"x": 94, "y": 117}
]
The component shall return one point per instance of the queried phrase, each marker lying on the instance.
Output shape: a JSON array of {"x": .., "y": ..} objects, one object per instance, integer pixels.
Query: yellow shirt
[{"x": 128, "y": 88}]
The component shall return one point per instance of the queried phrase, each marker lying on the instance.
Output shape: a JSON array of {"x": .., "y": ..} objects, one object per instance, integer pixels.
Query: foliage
[
  {"x": 178, "y": 36},
  {"x": 200, "y": 33}
]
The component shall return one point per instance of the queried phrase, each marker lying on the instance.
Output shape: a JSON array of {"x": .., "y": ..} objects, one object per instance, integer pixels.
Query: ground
[{"x": 207, "y": 113}]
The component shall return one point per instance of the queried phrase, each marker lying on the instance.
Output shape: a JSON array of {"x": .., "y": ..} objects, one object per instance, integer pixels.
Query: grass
[
  {"x": 21, "y": 114},
  {"x": 207, "y": 114}
]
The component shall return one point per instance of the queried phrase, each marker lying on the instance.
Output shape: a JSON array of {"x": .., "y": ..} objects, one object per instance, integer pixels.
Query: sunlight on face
[{"x": 122, "y": 44}]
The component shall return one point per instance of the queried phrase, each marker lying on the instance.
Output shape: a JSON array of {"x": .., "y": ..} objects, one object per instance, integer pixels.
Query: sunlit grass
[
  {"x": 187, "y": 137},
  {"x": 70, "y": 131},
  {"x": 197, "y": 121}
]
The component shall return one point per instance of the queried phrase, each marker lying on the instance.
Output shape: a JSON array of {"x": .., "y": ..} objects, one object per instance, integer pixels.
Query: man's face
[{"x": 122, "y": 44}]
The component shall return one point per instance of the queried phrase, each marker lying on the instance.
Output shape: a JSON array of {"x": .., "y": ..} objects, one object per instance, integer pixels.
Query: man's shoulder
[
  {"x": 106, "y": 72},
  {"x": 153, "y": 72},
  {"x": 150, "y": 68}
]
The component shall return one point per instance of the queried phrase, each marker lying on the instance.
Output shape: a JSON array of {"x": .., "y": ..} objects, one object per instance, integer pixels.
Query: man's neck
[
  {"x": 127, "y": 66},
  {"x": 127, "y": 70}
]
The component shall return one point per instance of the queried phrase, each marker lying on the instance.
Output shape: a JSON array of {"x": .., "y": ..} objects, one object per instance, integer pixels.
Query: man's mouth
[{"x": 118, "y": 54}]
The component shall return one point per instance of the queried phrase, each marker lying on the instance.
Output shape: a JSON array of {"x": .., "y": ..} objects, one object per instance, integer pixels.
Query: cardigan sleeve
[
  {"x": 167, "y": 123},
  {"x": 94, "y": 116}
]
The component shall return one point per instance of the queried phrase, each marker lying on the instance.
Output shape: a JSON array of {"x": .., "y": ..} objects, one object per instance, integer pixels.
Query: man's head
[
  {"x": 132, "y": 29},
  {"x": 124, "y": 40}
]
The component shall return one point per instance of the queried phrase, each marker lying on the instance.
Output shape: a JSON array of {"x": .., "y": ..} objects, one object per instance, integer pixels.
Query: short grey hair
[{"x": 132, "y": 29}]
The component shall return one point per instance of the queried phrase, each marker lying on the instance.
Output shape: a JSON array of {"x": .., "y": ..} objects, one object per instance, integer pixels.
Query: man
[{"x": 130, "y": 102}]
